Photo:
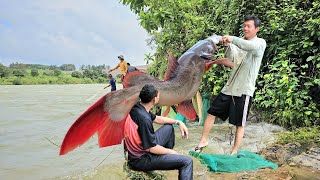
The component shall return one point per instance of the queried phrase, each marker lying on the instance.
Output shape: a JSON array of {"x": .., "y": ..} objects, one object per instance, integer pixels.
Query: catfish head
[{"x": 205, "y": 48}]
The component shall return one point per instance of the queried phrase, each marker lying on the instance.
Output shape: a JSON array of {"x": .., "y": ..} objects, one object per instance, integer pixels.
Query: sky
[{"x": 56, "y": 32}]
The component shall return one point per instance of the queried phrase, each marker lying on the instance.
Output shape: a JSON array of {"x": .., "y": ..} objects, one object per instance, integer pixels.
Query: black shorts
[{"x": 234, "y": 107}]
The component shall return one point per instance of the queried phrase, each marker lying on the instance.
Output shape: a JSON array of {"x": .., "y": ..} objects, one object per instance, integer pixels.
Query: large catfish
[{"x": 182, "y": 80}]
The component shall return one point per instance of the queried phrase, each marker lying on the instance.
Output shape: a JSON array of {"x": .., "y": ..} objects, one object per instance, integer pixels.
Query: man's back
[{"x": 131, "y": 69}]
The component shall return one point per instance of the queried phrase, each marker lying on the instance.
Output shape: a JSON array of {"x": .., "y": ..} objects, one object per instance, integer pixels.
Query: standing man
[
  {"x": 234, "y": 100},
  {"x": 152, "y": 150},
  {"x": 123, "y": 67},
  {"x": 112, "y": 83}
]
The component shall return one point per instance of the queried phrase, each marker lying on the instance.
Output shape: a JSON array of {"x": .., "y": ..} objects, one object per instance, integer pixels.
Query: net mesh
[{"x": 242, "y": 161}]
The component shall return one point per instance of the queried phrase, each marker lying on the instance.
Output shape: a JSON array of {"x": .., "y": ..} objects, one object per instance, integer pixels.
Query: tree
[
  {"x": 76, "y": 74},
  {"x": 19, "y": 72},
  {"x": 57, "y": 72},
  {"x": 34, "y": 72},
  {"x": 68, "y": 67},
  {"x": 4, "y": 71}
]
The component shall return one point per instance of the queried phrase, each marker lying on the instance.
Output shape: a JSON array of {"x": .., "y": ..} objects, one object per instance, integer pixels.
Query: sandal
[{"x": 199, "y": 149}]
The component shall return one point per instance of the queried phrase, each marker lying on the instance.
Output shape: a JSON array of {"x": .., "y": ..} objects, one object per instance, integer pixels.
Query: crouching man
[{"x": 153, "y": 150}]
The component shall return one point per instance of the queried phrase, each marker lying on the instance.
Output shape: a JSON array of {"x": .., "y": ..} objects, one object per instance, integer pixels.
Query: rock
[
  {"x": 311, "y": 158},
  {"x": 292, "y": 164}
]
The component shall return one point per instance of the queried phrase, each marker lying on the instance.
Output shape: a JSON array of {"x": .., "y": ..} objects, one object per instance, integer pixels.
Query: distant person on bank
[
  {"x": 131, "y": 68},
  {"x": 112, "y": 83},
  {"x": 122, "y": 65}
]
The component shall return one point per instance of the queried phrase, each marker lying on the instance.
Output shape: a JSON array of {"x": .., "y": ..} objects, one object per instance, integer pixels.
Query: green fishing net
[
  {"x": 205, "y": 107},
  {"x": 172, "y": 114},
  {"x": 242, "y": 161},
  {"x": 180, "y": 117}
]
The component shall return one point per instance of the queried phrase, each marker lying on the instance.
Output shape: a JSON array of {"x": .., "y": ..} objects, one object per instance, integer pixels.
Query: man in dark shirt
[
  {"x": 112, "y": 83},
  {"x": 131, "y": 68},
  {"x": 152, "y": 150}
]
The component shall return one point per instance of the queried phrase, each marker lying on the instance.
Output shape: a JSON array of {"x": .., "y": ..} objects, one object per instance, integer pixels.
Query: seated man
[{"x": 152, "y": 150}]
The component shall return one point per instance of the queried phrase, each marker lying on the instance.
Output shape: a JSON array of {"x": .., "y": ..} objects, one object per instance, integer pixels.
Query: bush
[
  {"x": 57, "y": 72},
  {"x": 17, "y": 81},
  {"x": 48, "y": 72},
  {"x": 4, "y": 71},
  {"x": 34, "y": 72},
  {"x": 19, "y": 72},
  {"x": 301, "y": 135},
  {"x": 76, "y": 74}
]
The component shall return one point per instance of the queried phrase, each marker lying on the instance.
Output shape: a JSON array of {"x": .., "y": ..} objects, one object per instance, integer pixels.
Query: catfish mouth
[{"x": 206, "y": 56}]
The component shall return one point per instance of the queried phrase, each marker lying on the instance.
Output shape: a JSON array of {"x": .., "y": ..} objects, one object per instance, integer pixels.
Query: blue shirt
[{"x": 112, "y": 82}]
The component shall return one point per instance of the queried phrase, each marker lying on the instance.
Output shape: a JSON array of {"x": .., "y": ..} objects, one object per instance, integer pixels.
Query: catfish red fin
[
  {"x": 136, "y": 77},
  {"x": 118, "y": 106},
  {"x": 187, "y": 110},
  {"x": 172, "y": 66},
  {"x": 111, "y": 132},
  {"x": 166, "y": 112},
  {"x": 106, "y": 117},
  {"x": 84, "y": 127}
]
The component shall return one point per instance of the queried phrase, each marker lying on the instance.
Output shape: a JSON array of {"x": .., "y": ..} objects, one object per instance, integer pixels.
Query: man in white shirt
[{"x": 234, "y": 100}]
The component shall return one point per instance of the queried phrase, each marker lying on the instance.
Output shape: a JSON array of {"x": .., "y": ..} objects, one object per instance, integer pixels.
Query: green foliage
[
  {"x": 62, "y": 79},
  {"x": 17, "y": 81},
  {"x": 32, "y": 66},
  {"x": 76, "y": 74},
  {"x": 57, "y": 72},
  {"x": 4, "y": 71},
  {"x": 93, "y": 73},
  {"x": 68, "y": 67},
  {"x": 19, "y": 72},
  {"x": 301, "y": 135},
  {"x": 291, "y": 62},
  {"x": 48, "y": 72},
  {"x": 34, "y": 72}
]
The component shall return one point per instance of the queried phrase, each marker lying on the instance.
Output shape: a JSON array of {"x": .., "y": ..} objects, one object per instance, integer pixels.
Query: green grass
[{"x": 303, "y": 135}]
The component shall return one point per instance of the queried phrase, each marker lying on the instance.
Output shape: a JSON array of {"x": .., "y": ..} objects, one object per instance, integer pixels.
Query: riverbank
[{"x": 259, "y": 138}]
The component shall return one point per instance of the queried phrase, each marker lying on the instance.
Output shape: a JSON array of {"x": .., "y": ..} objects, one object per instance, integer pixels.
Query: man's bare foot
[{"x": 233, "y": 152}]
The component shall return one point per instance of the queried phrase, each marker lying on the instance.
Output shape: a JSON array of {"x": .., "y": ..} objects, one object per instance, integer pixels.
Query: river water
[
  {"x": 30, "y": 114},
  {"x": 33, "y": 115}
]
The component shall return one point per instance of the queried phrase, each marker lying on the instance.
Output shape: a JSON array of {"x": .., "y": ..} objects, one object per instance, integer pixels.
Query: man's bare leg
[
  {"x": 206, "y": 130},
  {"x": 238, "y": 139}
]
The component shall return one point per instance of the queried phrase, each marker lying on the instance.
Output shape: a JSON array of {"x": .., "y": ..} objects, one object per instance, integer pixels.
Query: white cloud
[{"x": 70, "y": 31}]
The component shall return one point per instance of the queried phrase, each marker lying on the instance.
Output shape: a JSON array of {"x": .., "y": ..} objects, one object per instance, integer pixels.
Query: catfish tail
[{"x": 106, "y": 117}]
